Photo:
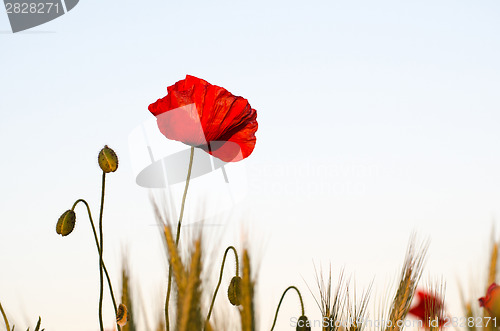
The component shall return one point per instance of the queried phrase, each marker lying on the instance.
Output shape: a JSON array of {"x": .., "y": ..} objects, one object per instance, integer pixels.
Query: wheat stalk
[
  {"x": 410, "y": 276},
  {"x": 189, "y": 298},
  {"x": 247, "y": 312}
]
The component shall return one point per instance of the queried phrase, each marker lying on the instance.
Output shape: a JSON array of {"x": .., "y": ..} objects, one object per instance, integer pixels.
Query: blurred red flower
[
  {"x": 491, "y": 301},
  {"x": 207, "y": 116},
  {"x": 427, "y": 308}
]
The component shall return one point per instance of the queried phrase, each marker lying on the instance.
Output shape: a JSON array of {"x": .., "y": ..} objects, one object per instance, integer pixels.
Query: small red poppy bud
[
  {"x": 303, "y": 324},
  {"x": 108, "y": 161},
  {"x": 234, "y": 291},
  {"x": 491, "y": 301},
  {"x": 122, "y": 315},
  {"x": 66, "y": 223}
]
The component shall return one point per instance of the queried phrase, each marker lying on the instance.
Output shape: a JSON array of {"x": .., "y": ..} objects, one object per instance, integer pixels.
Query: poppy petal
[{"x": 200, "y": 114}]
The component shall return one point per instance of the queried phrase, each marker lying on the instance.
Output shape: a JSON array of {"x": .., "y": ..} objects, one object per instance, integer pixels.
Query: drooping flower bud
[
  {"x": 122, "y": 315},
  {"x": 303, "y": 324},
  {"x": 108, "y": 161},
  {"x": 66, "y": 223},
  {"x": 234, "y": 291},
  {"x": 491, "y": 301}
]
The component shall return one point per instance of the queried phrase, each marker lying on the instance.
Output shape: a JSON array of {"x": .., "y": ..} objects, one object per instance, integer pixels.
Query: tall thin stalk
[
  {"x": 169, "y": 286},
  {"x": 98, "y": 250},
  {"x": 101, "y": 281}
]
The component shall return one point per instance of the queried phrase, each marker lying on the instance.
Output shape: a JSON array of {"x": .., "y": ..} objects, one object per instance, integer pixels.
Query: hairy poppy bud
[
  {"x": 108, "y": 161},
  {"x": 66, "y": 223},
  {"x": 492, "y": 301},
  {"x": 303, "y": 324},
  {"x": 234, "y": 291},
  {"x": 122, "y": 315}
]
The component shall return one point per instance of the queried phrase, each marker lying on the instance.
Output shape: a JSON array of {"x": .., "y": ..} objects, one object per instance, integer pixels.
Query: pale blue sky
[{"x": 375, "y": 119}]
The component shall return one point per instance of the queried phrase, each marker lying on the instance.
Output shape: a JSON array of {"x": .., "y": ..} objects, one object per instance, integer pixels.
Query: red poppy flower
[
  {"x": 491, "y": 301},
  {"x": 427, "y": 305},
  {"x": 207, "y": 116}
]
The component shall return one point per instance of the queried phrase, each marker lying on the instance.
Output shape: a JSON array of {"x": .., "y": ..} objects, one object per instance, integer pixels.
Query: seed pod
[
  {"x": 66, "y": 223},
  {"x": 303, "y": 324},
  {"x": 122, "y": 315},
  {"x": 234, "y": 291},
  {"x": 108, "y": 161}
]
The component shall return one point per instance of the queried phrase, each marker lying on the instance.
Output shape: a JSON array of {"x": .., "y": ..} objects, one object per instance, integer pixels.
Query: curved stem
[
  {"x": 169, "y": 286},
  {"x": 220, "y": 277},
  {"x": 98, "y": 250},
  {"x": 5, "y": 319},
  {"x": 279, "y": 304}
]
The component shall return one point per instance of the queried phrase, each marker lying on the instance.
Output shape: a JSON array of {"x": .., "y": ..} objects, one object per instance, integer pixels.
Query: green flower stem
[
  {"x": 279, "y": 304},
  {"x": 98, "y": 250},
  {"x": 169, "y": 286},
  {"x": 220, "y": 277},
  {"x": 5, "y": 318}
]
